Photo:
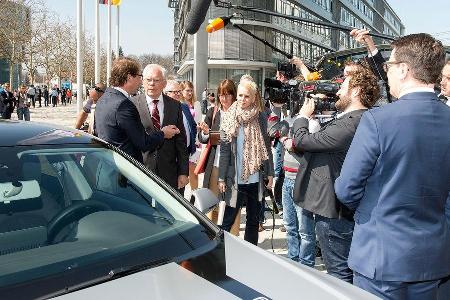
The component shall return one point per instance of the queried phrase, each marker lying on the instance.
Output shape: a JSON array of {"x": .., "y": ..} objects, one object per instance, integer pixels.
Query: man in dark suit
[
  {"x": 397, "y": 177},
  {"x": 171, "y": 161},
  {"x": 117, "y": 119},
  {"x": 322, "y": 156},
  {"x": 7, "y": 98}
]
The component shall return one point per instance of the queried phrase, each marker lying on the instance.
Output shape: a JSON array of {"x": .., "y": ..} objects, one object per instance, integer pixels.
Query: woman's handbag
[{"x": 203, "y": 159}]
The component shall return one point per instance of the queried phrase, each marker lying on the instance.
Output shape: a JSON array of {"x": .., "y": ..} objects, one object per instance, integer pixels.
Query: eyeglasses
[
  {"x": 156, "y": 81},
  {"x": 388, "y": 64},
  {"x": 175, "y": 92}
]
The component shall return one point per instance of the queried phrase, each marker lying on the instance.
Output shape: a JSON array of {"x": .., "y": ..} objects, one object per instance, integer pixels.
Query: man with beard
[{"x": 323, "y": 155}]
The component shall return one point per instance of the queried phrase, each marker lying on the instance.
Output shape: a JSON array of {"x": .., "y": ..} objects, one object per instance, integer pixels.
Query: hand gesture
[
  {"x": 222, "y": 186},
  {"x": 362, "y": 36},
  {"x": 203, "y": 127},
  {"x": 169, "y": 131}
]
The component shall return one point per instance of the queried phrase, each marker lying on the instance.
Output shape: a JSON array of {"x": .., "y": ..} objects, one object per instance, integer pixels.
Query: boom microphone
[
  {"x": 196, "y": 16},
  {"x": 218, "y": 23}
]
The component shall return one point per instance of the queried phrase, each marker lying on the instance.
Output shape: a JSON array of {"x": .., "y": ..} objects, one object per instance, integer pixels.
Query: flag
[{"x": 113, "y": 2}]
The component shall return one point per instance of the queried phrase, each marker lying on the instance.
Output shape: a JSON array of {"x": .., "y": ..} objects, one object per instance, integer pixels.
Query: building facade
[{"x": 232, "y": 53}]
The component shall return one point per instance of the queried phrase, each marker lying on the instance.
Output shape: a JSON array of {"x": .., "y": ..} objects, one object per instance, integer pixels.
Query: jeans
[
  {"x": 23, "y": 113},
  {"x": 299, "y": 224},
  {"x": 335, "y": 237},
  {"x": 247, "y": 193}
]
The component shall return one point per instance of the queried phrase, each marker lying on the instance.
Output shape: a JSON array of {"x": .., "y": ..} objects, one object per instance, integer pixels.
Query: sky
[{"x": 146, "y": 26}]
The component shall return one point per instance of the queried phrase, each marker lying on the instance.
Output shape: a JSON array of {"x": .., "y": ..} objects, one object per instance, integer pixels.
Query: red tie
[{"x": 155, "y": 115}]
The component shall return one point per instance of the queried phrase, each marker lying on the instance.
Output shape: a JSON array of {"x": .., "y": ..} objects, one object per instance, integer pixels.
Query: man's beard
[{"x": 343, "y": 103}]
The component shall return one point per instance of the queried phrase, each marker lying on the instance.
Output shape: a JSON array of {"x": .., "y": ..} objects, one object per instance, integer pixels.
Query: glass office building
[{"x": 232, "y": 52}]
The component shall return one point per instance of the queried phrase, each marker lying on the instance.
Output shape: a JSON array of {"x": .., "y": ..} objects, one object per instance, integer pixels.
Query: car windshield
[{"x": 88, "y": 209}]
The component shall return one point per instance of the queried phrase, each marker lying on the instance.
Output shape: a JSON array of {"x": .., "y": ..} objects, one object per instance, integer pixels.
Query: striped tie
[{"x": 155, "y": 115}]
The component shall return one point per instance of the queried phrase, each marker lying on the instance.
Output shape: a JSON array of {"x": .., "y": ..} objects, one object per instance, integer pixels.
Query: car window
[{"x": 81, "y": 206}]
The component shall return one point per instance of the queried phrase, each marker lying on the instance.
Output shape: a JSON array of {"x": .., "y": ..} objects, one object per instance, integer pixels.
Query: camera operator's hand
[
  {"x": 169, "y": 131},
  {"x": 287, "y": 143},
  {"x": 307, "y": 109},
  {"x": 300, "y": 65},
  {"x": 222, "y": 186},
  {"x": 203, "y": 127},
  {"x": 362, "y": 36}
]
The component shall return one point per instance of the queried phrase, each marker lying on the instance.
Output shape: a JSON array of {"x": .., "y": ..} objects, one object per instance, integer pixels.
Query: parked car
[{"x": 79, "y": 219}]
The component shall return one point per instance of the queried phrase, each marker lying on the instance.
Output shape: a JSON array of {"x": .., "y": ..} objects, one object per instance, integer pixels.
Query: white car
[{"x": 79, "y": 219}]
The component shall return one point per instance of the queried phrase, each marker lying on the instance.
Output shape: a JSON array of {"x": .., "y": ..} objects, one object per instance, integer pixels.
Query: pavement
[{"x": 271, "y": 239}]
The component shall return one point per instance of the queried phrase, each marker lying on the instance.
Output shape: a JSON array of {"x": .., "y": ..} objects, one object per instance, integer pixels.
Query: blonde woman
[
  {"x": 245, "y": 158},
  {"x": 190, "y": 99}
]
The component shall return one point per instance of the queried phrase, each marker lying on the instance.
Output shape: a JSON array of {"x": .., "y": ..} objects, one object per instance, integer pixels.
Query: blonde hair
[{"x": 253, "y": 88}]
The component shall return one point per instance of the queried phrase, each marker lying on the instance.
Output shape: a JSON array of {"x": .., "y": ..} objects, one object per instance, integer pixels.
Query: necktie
[{"x": 155, "y": 115}]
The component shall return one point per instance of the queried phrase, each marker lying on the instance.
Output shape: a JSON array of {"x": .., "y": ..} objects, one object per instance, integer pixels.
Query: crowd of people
[
  {"x": 25, "y": 97},
  {"x": 372, "y": 185}
]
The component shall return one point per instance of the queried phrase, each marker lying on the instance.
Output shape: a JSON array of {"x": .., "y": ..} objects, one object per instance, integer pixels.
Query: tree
[
  {"x": 14, "y": 32},
  {"x": 164, "y": 60}
]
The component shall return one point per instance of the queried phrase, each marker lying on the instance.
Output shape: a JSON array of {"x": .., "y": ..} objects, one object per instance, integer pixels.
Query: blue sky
[{"x": 147, "y": 25}]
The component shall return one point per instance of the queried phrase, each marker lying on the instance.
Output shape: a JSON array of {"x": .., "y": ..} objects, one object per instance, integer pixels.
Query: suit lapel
[
  {"x": 146, "y": 116},
  {"x": 166, "y": 111}
]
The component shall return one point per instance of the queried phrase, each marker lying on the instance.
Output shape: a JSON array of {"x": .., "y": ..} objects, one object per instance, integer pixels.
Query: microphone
[
  {"x": 196, "y": 16},
  {"x": 218, "y": 23}
]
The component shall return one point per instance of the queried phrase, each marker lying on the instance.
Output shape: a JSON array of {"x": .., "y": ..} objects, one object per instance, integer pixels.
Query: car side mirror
[{"x": 204, "y": 200}]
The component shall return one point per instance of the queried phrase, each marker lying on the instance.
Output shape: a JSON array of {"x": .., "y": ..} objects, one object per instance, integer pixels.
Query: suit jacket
[
  {"x": 397, "y": 177},
  {"x": 212, "y": 154},
  {"x": 324, "y": 153},
  {"x": 117, "y": 122},
  {"x": 192, "y": 128},
  {"x": 172, "y": 158},
  {"x": 227, "y": 164}
]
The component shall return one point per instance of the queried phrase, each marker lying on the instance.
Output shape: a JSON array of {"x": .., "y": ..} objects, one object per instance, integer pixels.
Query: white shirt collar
[
  {"x": 122, "y": 91},
  {"x": 150, "y": 100},
  {"x": 416, "y": 90}
]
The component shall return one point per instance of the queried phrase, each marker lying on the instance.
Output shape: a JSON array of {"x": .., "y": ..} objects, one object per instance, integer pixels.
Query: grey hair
[
  {"x": 170, "y": 82},
  {"x": 150, "y": 67}
]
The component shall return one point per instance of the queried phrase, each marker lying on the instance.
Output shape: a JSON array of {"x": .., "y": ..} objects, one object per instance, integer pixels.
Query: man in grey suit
[
  {"x": 397, "y": 177},
  {"x": 171, "y": 160},
  {"x": 321, "y": 162}
]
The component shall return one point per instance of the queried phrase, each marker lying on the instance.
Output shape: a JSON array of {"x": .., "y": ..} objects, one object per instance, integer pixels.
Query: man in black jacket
[
  {"x": 7, "y": 99},
  {"x": 323, "y": 155},
  {"x": 117, "y": 119}
]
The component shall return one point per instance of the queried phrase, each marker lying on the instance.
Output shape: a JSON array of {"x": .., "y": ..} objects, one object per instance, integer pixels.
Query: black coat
[
  {"x": 323, "y": 155},
  {"x": 117, "y": 121},
  {"x": 172, "y": 158}
]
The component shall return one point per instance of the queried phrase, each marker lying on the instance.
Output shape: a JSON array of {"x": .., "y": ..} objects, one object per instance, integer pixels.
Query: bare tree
[
  {"x": 14, "y": 32},
  {"x": 164, "y": 60}
]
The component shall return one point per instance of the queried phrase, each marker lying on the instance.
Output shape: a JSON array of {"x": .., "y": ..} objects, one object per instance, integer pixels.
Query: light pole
[
  {"x": 108, "y": 55},
  {"x": 97, "y": 42},
  {"x": 79, "y": 57}
]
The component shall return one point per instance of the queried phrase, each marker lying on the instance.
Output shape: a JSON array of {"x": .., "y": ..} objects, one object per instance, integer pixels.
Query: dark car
[{"x": 79, "y": 219}]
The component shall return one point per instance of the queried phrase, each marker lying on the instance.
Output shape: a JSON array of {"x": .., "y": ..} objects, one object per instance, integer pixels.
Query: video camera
[{"x": 293, "y": 94}]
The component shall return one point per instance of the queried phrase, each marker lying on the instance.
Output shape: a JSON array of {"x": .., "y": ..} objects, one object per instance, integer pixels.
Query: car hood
[{"x": 252, "y": 273}]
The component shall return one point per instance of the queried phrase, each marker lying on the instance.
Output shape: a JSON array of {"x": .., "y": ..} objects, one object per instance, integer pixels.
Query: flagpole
[
  {"x": 108, "y": 54},
  {"x": 97, "y": 42},
  {"x": 79, "y": 57},
  {"x": 117, "y": 31}
]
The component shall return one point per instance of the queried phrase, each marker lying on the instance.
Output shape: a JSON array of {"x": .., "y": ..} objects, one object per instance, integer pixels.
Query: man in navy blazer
[
  {"x": 397, "y": 177},
  {"x": 117, "y": 119}
]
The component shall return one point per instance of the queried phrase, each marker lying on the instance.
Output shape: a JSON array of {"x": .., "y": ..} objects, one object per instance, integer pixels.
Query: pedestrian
[
  {"x": 89, "y": 108},
  {"x": 117, "y": 119},
  {"x": 396, "y": 177},
  {"x": 23, "y": 104},
  {"x": 54, "y": 96},
  {"x": 245, "y": 159},
  {"x": 7, "y": 99},
  {"x": 171, "y": 160},
  {"x": 190, "y": 99},
  {"x": 31, "y": 94}
]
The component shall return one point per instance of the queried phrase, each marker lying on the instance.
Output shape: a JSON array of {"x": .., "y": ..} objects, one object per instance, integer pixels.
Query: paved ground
[{"x": 66, "y": 116}]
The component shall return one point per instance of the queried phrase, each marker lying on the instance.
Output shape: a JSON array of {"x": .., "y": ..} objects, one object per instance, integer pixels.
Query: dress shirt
[
  {"x": 151, "y": 106},
  {"x": 122, "y": 91}
]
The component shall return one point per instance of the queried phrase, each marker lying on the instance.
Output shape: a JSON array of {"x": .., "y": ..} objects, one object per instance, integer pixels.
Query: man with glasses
[
  {"x": 116, "y": 117},
  {"x": 171, "y": 160},
  {"x": 94, "y": 94},
  {"x": 173, "y": 90},
  {"x": 396, "y": 176}
]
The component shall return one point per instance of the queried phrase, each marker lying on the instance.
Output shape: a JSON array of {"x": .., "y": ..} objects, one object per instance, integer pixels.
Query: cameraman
[{"x": 323, "y": 155}]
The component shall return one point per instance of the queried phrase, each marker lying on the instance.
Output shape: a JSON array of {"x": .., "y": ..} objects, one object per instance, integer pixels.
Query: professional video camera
[{"x": 293, "y": 94}]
